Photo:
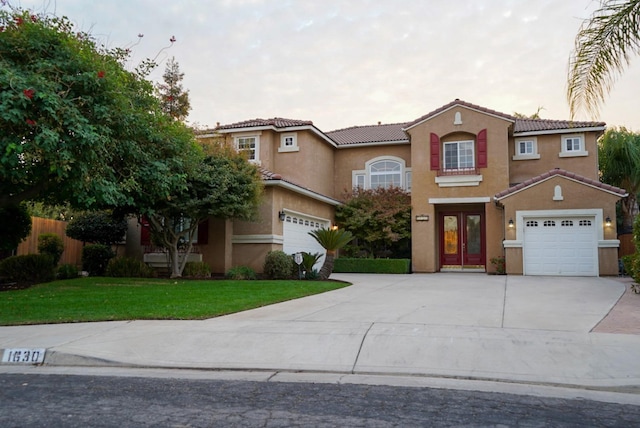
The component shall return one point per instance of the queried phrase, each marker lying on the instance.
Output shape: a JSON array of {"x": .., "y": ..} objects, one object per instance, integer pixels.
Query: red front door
[{"x": 462, "y": 239}]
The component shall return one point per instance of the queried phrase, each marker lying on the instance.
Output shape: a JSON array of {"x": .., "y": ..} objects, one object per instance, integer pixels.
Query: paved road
[{"x": 80, "y": 401}]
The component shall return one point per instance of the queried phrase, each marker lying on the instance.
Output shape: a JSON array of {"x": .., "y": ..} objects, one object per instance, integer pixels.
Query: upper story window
[
  {"x": 386, "y": 174},
  {"x": 573, "y": 145},
  {"x": 459, "y": 155},
  {"x": 526, "y": 148},
  {"x": 387, "y": 171},
  {"x": 289, "y": 143},
  {"x": 249, "y": 144}
]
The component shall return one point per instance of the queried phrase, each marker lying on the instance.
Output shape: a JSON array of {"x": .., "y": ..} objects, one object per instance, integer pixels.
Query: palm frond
[
  {"x": 603, "y": 48},
  {"x": 332, "y": 239}
]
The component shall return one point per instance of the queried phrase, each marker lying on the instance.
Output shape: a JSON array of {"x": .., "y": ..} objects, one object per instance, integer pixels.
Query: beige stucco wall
[
  {"x": 549, "y": 148},
  {"x": 495, "y": 178},
  {"x": 349, "y": 159}
]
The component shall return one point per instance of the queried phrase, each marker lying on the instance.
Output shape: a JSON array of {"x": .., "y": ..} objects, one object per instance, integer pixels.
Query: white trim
[
  {"x": 565, "y": 177},
  {"x": 512, "y": 243},
  {"x": 302, "y": 191},
  {"x": 564, "y": 153},
  {"x": 367, "y": 168},
  {"x": 257, "y": 239},
  {"x": 559, "y": 131},
  {"x": 377, "y": 143},
  {"x": 256, "y": 149},
  {"x": 471, "y": 200},
  {"x": 354, "y": 178},
  {"x": 526, "y": 156},
  {"x": 287, "y": 129},
  {"x": 459, "y": 180},
  {"x": 288, "y": 149},
  {"x": 608, "y": 243}
]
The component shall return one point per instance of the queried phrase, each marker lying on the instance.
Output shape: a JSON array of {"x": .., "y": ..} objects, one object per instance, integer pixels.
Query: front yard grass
[{"x": 111, "y": 299}]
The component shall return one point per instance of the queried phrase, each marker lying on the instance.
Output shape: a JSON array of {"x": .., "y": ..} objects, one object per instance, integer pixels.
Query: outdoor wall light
[
  {"x": 607, "y": 222},
  {"x": 334, "y": 227},
  {"x": 282, "y": 215},
  {"x": 511, "y": 223}
]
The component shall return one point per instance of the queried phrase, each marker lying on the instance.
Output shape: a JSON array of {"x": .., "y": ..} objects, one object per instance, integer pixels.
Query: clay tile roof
[
  {"x": 542, "y": 177},
  {"x": 458, "y": 102},
  {"x": 276, "y": 122},
  {"x": 529, "y": 125},
  {"x": 272, "y": 176},
  {"x": 369, "y": 134}
]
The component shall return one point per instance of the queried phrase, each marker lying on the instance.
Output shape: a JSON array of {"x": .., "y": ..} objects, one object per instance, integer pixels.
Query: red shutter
[
  {"x": 482, "y": 149},
  {"x": 145, "y": 231},
  {"x": 435, "y": 152},
  {"x": 203, "y": 232}
]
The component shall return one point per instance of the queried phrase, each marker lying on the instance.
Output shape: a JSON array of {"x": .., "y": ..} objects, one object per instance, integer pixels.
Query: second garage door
[
  {"x": 560, "y": 246},
  {"x": 297, "y": 238}
]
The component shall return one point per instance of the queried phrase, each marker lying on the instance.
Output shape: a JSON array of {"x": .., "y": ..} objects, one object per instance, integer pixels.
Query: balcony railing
[{"x": 458, "y": 171}]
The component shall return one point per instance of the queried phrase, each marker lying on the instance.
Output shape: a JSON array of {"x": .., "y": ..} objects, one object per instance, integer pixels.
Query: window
[
  {"x": 549, "y": 223},
  {"x": 532, "y": 223},
  {"x": 459, "y": 155},
  {"x": 387, "y": 171},
  {"x": 526, "y": 148},
  {"x": 385, "y": 174},
  {"x": 289, "y": 143},
  {"x": 573, "y": 145},
  {"x": 250, "y": 145}
]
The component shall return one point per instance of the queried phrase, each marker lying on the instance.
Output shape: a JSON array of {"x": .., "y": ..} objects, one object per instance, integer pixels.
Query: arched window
[{"x": 386, "y": 173}]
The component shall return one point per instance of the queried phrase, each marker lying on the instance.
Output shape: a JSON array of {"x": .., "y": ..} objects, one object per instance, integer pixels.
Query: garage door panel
[
  {"x": 297, "y": 239},
  {"x": 560, "y": 246}
]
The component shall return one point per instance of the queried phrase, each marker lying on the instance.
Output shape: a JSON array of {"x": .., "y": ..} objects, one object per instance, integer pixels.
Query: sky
[{"x": 355, "y": 62}]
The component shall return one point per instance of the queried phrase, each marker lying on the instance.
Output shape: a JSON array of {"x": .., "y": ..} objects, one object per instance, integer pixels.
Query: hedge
[{"x": 348, "y": 265}]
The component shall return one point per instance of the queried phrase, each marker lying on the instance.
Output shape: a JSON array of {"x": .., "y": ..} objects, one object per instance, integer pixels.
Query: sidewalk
[{"x": 463, "y": 326}]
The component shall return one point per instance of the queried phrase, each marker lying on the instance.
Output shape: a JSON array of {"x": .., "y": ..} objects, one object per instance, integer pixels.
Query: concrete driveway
[{"x": 470, "y": 326}]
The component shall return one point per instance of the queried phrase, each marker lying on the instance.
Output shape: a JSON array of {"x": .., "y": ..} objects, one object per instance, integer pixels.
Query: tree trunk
[
  {"x": 174, "y": 256},
  {"x": 327, "y": 266},
  {"x": 629, "y": 213}
]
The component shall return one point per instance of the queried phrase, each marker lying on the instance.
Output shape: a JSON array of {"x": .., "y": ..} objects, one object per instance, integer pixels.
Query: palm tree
[
  {"x": 619, "y": 163},
  {"x": 602, "y": 50},
  {"x": 331, "y": 240}
]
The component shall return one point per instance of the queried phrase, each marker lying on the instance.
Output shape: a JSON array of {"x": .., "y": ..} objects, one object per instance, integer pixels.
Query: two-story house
[{"x": 483, "y": 185}]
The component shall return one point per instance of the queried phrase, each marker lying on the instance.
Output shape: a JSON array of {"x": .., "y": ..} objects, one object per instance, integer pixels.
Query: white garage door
[
  {"x": 297, "y": 238},
  {"x": 560, "y": 246}
]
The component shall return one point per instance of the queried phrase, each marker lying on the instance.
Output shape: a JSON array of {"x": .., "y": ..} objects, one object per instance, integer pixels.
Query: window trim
[
  {"x": 256, "y": 149},
  {"x": 366, "y": 173},
  {"x": 283, "y": 143},
  {"x": 564, "y": 153},
  {"x": 526, "y": 156}
]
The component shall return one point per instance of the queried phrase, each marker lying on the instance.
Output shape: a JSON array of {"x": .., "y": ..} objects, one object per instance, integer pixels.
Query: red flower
[
  {"x": 31, "y": 122},
  {"x": 100, "y": 74},
  {"x": 34, "y": 18},
  {"x": 169, "y": 98},
  {"x": 29, "y": 93},
  {"x": 19, "y": 20}
]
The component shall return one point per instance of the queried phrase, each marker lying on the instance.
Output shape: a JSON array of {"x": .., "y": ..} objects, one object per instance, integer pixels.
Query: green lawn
[{"x": 108, "y": 299}]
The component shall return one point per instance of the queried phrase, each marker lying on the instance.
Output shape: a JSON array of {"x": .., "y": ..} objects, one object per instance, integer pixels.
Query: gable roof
[
  {"x": 370, "y": 134},
  {"x": 560, "y": 172},
  {"x": 276, "y": 122},
  {"x": 270, "y": 178},
  {"x": 459, "y": 103}
]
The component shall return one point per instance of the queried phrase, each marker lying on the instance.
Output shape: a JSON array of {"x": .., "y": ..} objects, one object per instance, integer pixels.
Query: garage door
[
  {"x": 297, "y": 238},
  {"x": 560, "y": 246}
]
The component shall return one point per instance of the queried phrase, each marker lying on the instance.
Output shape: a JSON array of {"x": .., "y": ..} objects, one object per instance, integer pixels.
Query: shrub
[
  {"x": 95, "y": 258},
  {"x": 28, "y": 269},
  {"x": 499, "y": 265},
  {"x": 278, "y": 265},
  {"x": 51, "y": 244},
  {"x": 197, "y": 270},
  {"x": 346, "y": 265},
  {"x": 128, "y": 267},
  {"x": 67, "y": 271},
  {"x": 15, "y": 226},
  {"x": 99, "y": 227},
  {"x": 241, "y": 273}
]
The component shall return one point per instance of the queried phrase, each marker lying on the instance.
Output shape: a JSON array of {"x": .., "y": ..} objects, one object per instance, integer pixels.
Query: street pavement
[{"x": 472, "y": 327}]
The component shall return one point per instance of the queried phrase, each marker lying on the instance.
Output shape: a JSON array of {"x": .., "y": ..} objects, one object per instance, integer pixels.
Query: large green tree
[
  {"x": 76, "y": 125},
  {"x": 619, "y": 163},
  {"x": 603, "y": 48},
  {"x": 222, "y": 184},
  {"x": 380, "y": 219}
]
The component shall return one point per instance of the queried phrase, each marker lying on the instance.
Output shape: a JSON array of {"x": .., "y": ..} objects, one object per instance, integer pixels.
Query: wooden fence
[{"x": 72, "y": 249}]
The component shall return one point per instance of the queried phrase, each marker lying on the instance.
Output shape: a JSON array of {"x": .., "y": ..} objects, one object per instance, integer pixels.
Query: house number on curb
[{"x": 23, "y": 356}]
